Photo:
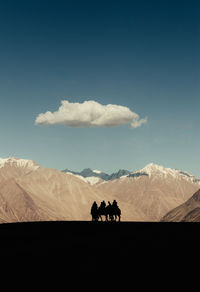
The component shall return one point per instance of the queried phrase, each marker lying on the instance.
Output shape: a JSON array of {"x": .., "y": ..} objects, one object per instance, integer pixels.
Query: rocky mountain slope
[
  {"x": 186, "y": 212},
  {"x": 29, "y": 192},
  {"x": 153, "y": 190},
  {"x": 88, "y": 174}
]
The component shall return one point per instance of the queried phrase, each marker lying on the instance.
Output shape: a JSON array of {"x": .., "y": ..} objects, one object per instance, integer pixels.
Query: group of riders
[{"x": 110, "y": 211}]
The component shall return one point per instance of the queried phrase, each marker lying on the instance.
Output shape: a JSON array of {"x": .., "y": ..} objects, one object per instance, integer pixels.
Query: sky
[{"x": 102, "y": 84}]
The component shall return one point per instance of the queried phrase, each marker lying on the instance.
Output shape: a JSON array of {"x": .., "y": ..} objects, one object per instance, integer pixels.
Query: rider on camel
[
  {"x": 94, "y": 209},
  {"x": 103, "y": 205},
  {"x": 114, "y": 204}
]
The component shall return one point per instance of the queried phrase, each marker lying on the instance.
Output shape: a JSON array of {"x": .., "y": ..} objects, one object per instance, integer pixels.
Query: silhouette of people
[
  {"x": 114, "y": 205},
  {"x": 116, "y": 210},
  {"x": 94, "y": 206},
  {"x": 94, "y": 211},
  {"x": 102, "y": 209},
  {"x": 103, "y": 205},
  {"x": 109, "y": 206},
  {"x": 111, "y": 211}
]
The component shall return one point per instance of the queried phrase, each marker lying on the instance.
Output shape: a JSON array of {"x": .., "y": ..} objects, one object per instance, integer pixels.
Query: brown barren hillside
[
  {"x": 29, "y": 192},
  {"x": 38, "y": 193},
  {"x": 186, "y": 212},
  {"x": 153, "y": 191}
]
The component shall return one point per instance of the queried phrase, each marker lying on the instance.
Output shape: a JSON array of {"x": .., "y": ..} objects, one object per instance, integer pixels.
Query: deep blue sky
[{"x": 141, "y": 54}]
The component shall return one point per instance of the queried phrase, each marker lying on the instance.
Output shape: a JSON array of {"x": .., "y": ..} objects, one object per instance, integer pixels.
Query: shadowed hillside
[
  {"x": 186, "y": 212},
  {"x": 29, "y": 192}
]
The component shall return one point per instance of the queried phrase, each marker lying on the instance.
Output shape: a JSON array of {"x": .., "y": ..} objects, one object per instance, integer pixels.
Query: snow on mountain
[
  {"x": 87, "y": 172},
  {"x": 91, "y": 179},
  {"x": 49, "y": 194},
  {"x": 96, "y": 171},
  {"x": 22, "y": 163},
  {"x": 154, "y": 170},
  {"x": 78, "y": 176},
  {"x": 152, "y": 191},
  {"x": 44, "y": 194}
]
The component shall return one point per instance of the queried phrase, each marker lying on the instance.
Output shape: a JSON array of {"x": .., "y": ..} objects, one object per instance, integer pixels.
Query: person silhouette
[
  {"x": 94, "y": 206},
  {"x": 115, "y": 211},
  {"x": 94, "y": 211},
  {"x": 109, "y": 211},
  {"x": 103, "y": 204},
  {"x": 114, "y": 204},
  {"x": 109, "y": 205},
  {"x": 102, "y": 209}
]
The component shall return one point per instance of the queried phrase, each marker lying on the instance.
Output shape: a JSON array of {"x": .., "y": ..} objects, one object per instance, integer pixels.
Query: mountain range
[
  {"x": 30, "y": 192},
  {"x": 153, "y": 191},
  {"x": 88, "y": 172}
]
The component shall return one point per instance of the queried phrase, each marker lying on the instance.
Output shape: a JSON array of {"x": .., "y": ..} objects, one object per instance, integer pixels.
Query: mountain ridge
[
  {"x": 88, "y": 172},
  {"x": 149, "y": 170},
  {"x": 154, "y": 190},
  {"x": 29, "y": 192},
  {"x": 18, "y": 162}
]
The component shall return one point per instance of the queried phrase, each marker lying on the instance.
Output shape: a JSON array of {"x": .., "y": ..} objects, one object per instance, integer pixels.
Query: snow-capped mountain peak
[
  {"x": 96, "y": 171},
  {"x": 155, "y": 170},
  {"x": 23, "y": 163}
]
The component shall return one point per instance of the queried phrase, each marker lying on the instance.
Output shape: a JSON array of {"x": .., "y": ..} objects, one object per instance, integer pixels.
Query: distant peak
[
  {"x": 13, "y": 161},
  {"x": 12, "y": 158},
  {"x": 156, "y": 170},
  {"x": 96, "y": 171},
  {"x": 153, "y": 167}
]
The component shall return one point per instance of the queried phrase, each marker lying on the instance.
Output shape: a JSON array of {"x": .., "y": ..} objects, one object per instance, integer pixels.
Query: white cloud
[{"x": 90, "y": 114}]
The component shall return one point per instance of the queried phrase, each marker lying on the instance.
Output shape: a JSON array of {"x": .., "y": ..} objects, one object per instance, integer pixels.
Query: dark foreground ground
[
  {"x": 85, "y": 241},
  {"x": 126, "y": 252}
]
